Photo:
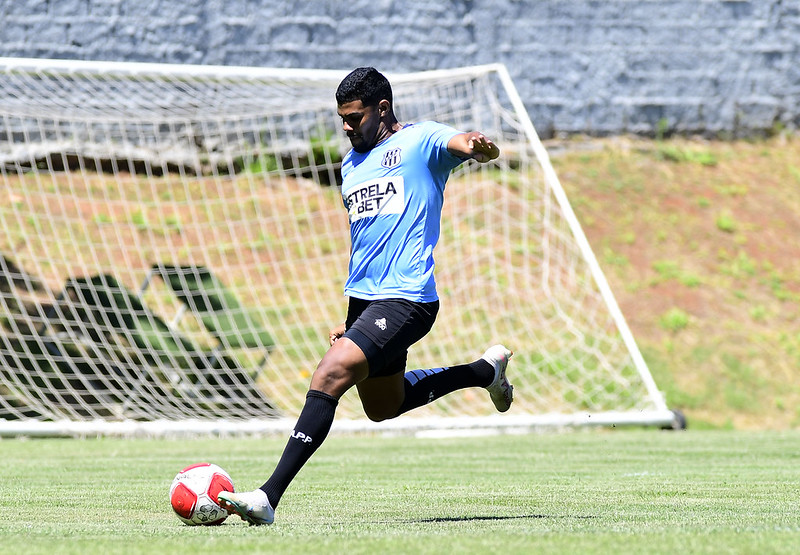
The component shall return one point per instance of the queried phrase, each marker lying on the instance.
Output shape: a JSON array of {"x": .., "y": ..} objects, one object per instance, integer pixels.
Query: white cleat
[
  {"x": 501, "y": 392},
  {"x": 252, "y": 506}
]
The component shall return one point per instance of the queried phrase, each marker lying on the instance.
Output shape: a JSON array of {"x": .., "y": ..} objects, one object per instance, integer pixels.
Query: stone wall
[{"x": 727, "y": 67}]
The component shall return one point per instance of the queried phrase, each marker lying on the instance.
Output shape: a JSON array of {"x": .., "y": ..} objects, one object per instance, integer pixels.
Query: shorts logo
[
  {"x": 381, "y": 324},
  {"x": 391, "y": 158}
]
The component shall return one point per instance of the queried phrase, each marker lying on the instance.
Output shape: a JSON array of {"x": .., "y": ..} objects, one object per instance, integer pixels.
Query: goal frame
[{"x": 660, "y": 415}]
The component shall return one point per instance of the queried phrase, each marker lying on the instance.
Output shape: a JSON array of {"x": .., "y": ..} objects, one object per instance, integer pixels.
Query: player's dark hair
[{"x": 366, "y": 84}]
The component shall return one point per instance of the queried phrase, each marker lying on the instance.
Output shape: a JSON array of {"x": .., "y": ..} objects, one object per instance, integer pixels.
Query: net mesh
[{"x": 174, "y": 246}]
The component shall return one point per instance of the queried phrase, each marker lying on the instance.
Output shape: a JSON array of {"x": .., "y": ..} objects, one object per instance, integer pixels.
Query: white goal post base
[{"x": 429, "y": 427}]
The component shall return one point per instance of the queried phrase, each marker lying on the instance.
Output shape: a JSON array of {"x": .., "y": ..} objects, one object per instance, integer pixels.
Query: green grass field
[{"x": 600, "y": 491}]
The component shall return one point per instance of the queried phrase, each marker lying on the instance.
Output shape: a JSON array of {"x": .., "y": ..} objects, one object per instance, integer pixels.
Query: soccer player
[{"x": 393, "y": 184}]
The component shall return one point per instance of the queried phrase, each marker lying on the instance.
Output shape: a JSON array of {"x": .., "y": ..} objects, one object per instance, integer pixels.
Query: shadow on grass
[{"x": 478, "y": 518}]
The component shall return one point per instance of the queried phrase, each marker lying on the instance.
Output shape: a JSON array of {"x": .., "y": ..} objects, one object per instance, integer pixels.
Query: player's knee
[
  {"x": 340, "y": 369},
  {"x": 332, "y": 379}
]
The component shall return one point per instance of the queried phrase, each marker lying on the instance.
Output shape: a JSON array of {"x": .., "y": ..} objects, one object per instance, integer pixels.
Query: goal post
[{"x": 174, "y": 248}]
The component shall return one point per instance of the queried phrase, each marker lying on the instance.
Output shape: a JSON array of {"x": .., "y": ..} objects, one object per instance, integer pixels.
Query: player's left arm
[{"x": 475, "y": 145}]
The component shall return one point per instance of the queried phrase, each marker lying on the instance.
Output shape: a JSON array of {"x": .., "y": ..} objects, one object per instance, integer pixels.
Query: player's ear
[{"x": 384, "y": 107}]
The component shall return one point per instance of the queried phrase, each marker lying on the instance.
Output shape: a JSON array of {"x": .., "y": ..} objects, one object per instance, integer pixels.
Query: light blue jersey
[{"x": 394, "y": 195}]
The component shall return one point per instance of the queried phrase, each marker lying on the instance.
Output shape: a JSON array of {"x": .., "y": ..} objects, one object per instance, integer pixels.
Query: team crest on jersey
[{"x": 391, "y": 158}]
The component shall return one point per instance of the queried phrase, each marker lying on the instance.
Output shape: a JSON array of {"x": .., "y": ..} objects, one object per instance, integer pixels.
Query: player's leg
[
  {"x": 342, "y": 366},
  {"x": 390, "y": 396},
  {"x": 425, "y": 386},
  {"x": 382, "y": 396},
  {"x": 385, "y": 331}
]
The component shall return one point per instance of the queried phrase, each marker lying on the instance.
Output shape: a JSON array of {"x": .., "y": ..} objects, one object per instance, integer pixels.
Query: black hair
[{"x": 366, "y": 84}]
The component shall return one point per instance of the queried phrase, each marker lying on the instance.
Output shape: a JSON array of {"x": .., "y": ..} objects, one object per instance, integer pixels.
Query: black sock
[
  {"x": 311, "y": 429},
  {"x": 425, "y": 386}
]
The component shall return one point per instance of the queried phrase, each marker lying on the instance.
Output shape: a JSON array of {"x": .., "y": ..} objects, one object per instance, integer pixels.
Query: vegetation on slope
[{"x": 700, "y": 242}]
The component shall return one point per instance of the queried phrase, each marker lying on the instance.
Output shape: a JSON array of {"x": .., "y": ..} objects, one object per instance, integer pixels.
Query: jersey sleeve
[{"x": 437, "y": 136}]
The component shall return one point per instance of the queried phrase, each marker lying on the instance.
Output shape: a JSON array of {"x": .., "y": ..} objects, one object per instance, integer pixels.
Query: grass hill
[{"x": 700, "y": 242}]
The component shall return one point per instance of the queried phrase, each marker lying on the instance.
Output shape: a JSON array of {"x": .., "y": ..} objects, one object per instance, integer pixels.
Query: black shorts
[{"x": 384, "y": 330}]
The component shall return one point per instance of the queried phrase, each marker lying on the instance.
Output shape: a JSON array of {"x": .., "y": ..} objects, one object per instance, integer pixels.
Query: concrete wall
[{"x": 594, "y": 66}]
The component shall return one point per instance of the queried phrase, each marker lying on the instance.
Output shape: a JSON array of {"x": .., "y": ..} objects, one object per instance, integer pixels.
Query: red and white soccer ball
[{"x": 194, "y": 491}]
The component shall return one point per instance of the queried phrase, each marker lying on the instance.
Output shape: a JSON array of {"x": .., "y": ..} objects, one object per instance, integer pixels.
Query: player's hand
[
  {"x": 483, "y": 149},
  {"x": 336, "y": 333}
]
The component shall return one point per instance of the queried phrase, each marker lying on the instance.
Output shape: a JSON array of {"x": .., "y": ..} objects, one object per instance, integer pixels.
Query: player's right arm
[{"x": 336, "y": 333}]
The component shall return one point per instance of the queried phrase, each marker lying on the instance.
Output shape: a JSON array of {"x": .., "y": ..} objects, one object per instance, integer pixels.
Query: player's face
[{"x": 361, "y": 123}]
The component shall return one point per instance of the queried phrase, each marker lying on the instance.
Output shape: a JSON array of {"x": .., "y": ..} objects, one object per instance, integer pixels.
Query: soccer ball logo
[{"x": 194, "y": 491}]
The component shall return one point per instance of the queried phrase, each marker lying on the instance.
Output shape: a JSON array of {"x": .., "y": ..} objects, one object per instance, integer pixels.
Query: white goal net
[{"x": 173, "y": 248}]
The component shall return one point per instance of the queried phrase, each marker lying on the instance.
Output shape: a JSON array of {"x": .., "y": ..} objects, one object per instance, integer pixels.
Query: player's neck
[{"x": 389, "y": 129}]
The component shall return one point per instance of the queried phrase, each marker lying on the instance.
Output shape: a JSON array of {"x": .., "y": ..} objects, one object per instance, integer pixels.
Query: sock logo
[
  {"x": 300, "y": 436},
  {"x": 381, "y": 324}
]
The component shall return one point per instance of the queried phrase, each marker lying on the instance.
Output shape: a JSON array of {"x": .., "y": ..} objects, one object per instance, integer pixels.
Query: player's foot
[
  {"x": 501, "y": 392},
  {"x": 252, "y": 506}
]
